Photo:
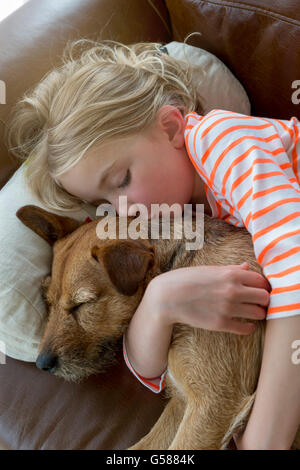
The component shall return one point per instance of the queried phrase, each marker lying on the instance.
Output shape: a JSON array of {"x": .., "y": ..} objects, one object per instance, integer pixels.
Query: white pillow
[
  {"x": 25, "y": 257},
  {"x": 217, "y": 86}
]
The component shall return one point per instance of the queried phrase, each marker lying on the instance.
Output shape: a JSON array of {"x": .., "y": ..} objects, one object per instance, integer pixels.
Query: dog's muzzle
[{"x": 47, "y": 361}]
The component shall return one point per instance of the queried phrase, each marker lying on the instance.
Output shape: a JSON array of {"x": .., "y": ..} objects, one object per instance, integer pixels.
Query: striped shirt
[{"x": 250, "y": 168}]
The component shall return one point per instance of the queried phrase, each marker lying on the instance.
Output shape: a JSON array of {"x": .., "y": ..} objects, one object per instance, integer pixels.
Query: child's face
[{"x": 149, "y": 168}]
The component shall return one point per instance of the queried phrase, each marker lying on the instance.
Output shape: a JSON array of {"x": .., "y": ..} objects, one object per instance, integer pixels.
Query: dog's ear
[
  {"x": 47, "y": 225},
  {"x": 126, "y": 263}
]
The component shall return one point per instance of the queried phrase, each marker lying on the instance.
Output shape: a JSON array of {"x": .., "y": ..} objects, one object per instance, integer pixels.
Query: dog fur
[{"x": 93, "y": 290}]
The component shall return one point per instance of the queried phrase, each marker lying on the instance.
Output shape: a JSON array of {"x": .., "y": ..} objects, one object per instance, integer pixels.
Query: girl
[{"x": 121, "y": 120}]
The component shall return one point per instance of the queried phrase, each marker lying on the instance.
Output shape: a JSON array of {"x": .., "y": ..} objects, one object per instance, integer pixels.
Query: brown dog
[{"x": 94, "y": 289}]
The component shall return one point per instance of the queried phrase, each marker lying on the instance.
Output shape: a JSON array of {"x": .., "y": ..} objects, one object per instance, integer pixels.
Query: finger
[
  {"x": 244, "y": 265},
  {"x": 252, "y": 295},
  {"x": 253, "y": 279},
  {"x": 239, "y": 328},
  {"x": 249, "y": 312}
]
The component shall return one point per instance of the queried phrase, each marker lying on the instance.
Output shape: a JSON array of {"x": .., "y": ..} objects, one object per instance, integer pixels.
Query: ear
[
  {"x": 47, "y": 225},
  {"x": 172, "y": 123},
  {"x": 126, "y": 263}
]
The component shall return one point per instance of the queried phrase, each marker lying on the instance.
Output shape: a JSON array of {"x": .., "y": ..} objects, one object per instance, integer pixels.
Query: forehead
[{"x": 83, "y": 177}]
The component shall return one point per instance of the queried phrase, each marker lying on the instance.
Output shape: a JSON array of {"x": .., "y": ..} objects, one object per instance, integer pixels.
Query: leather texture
[
  {"x": 39, "y": 411},
  {"x": 259, "y": 41}
]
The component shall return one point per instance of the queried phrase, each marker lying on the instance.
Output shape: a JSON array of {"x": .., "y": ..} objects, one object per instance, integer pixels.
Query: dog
[{"x": 94, "y": 288}]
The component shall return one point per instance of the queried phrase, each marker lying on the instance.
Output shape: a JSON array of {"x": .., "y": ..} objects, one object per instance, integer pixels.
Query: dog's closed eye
[
  {"x": 74, "y": 310},
  {"x": 82, "y": 297}
]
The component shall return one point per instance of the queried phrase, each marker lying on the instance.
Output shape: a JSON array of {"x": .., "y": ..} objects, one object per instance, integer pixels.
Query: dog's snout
[{"x": 47, "y": 361}]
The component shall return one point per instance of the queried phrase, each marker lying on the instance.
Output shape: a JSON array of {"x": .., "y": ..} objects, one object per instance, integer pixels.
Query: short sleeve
[{"x": 155, "y": 384}]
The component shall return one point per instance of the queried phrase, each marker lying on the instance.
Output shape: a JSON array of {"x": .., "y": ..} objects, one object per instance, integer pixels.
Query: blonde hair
[{"x": 102, "y": 90}]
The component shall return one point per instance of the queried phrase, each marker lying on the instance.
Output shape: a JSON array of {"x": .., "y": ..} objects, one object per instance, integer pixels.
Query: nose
[
  {"x": 134, "y": 210},
  {"x": 47, "y": 361},
  {"x": 125, "y": 208}
]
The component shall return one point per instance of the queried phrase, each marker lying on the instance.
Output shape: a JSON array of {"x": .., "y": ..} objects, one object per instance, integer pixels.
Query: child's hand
[{"x": 213, "y": 297}]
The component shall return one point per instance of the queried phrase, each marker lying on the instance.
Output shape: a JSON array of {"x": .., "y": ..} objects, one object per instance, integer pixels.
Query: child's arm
[
  {"x": 148, "y": 336},
  {"x": 275, "y": 416},
  {"x": 201, "y": 296}
]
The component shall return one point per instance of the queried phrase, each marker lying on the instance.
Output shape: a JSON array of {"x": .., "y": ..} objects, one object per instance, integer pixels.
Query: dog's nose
[{"x": 47, "y": 361}]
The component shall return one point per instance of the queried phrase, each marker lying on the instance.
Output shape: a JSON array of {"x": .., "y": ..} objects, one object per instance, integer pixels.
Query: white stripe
[
  {"x": 294, "y": 313},
  {"x": 284, "y": 298}
]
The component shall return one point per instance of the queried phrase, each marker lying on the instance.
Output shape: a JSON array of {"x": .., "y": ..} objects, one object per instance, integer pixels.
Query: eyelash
[
  {"x": 74, "y": 310},
  {"x": 76, "y": 307},
  {"x": 126, "y": 180}
]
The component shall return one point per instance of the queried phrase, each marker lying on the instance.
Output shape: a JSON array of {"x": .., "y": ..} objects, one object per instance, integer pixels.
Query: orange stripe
[
  {"x": 242, "y": 157},
  {"x": 269, "y": 208},
  {"x": 266, "y": 175},
  {"x": 148, "y": 382},
  {"x": 283, "y": 308},
  {"x": 290, "y": 252},
  {"x": 284, "y": 166},
  {"x": 233, "y": 144},
  {"x": 226, "y": 118},
  {"x": 264, "y": 192},
  {"x": 247, "y": 221},
  {"x": 203, "y": 120},
  {"x": 279, "y": 290},
  {"x": 274, "y": 242},
  {"x": 286, "y": 128},
  {"x": 193, "y": 160},
  {"x": 239, "y": 180},
  {"x": 244, "y": 198},
  {"x": 285, "y": 272},
  {"x": 275, "y": 225},
  {"x": 244, "y": 175},
  {"x": 224, "y": 133},
  {"x": 294, "y": 153},
  {"x": 216, "y": 200}
]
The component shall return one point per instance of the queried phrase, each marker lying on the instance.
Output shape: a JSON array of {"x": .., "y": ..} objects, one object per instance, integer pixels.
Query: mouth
[{"x": 77, "y": 369}]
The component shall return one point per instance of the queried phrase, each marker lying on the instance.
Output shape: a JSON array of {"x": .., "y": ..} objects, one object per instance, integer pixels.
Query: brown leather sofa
[{"x": 259, "y": 40}]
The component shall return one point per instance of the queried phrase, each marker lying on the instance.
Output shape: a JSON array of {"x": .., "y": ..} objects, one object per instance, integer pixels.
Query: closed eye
[
  {"x": 74, "y": 310},
  {"x": 126, "y": 180}
]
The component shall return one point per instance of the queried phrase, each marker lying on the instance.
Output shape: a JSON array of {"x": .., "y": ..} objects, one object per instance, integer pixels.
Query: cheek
[
  {"x": 169, "y": 183},
  {"x": 142, "y": 193}
]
